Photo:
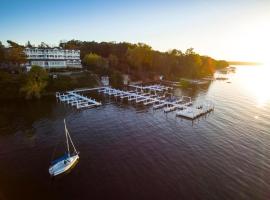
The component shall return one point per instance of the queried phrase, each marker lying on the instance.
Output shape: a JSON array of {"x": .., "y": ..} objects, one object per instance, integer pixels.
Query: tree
[
  {"x": 2, "y": 52},
  {"x": 140, "y": 61},
  {"x": 221, "y": 64},
  {"x": 15, "y": 53},
  {"x": 96, "y": 63},
  {"x": 35, "y": 83},
  {"x": 93, "y": 60},
  {"x": 190, "y": 51},
  {"x": 175, "y": 52},
  {"x": 208, "y": 66},
  {"x": 13, "y": 44},
  {"x": 43, "y": 45},
  {"x": 140, "y": 57},
  {"x": 193, "y": 64},
  {"x": 29, "y": 45},
  {"x": 113, "y": 60},
  {"x": 116, "y": 79}
]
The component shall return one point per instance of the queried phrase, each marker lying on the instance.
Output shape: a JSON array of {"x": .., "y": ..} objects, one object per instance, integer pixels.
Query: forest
[{"x": 142, "y": 62}]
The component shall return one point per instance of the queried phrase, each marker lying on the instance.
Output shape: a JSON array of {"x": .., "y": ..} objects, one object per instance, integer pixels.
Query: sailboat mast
[
  {"x": 72, "y": 143},
  {"x": 66, "y": 131}
]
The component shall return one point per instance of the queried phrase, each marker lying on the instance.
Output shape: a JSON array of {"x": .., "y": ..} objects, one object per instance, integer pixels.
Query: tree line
[{"x": 142, "y": 62}]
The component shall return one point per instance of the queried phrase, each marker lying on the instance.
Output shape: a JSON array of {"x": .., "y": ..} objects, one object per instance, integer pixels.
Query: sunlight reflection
[{"x": 257, "y": 82}]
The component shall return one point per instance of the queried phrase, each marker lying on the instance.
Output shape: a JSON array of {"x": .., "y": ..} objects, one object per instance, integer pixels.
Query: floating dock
[{"x": 197, "y": 111}]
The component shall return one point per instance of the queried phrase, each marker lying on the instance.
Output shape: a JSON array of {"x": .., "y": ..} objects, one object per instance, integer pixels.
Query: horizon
[{"x": 233, "y": 31}]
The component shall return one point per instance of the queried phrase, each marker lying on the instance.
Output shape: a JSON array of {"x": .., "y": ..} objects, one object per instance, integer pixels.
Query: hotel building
[{"x": 53, "y": 57}]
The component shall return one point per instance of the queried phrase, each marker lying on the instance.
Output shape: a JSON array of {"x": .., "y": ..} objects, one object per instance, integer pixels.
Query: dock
[
  {"x": 77, "y": 100},
  {"x": 181, "y": 103},
  {"x": 146, "y": 95},
  {"x": 154, "y": 88},
  {"x": 196, "y": 111}
]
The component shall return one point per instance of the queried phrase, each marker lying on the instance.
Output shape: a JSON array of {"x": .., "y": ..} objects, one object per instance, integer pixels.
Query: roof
[
  {"x": 47, "y": 59},
  {"x": 50, "y": 48}
]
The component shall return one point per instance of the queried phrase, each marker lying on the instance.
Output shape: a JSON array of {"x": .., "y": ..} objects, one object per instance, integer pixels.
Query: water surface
[{"x": 132, "y": 152}]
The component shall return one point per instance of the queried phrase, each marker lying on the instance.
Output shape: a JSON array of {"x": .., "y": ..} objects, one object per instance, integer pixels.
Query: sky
[{"x": 235, "y": 30}]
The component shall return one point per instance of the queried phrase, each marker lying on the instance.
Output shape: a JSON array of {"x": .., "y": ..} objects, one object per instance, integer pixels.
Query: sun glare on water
[{"x": 256, "y": 80}]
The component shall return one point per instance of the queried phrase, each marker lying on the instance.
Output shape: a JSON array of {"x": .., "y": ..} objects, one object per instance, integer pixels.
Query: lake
[{"x": 129, "y": 151}]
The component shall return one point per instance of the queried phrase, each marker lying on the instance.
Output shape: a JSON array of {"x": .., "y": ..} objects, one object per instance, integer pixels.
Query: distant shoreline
[{"x": 243, "y": 63}]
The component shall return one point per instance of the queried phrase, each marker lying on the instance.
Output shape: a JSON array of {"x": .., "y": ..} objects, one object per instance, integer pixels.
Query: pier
[
  {"x": 78, "y": 100},
  {"x": 145, "y": 95}
]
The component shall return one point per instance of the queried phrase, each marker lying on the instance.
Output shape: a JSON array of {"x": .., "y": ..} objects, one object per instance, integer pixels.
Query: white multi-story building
[{"x": 53, "y": 57}]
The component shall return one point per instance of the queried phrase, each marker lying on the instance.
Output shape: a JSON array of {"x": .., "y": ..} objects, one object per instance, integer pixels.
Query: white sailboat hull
[{"x": 63, "y": 165}]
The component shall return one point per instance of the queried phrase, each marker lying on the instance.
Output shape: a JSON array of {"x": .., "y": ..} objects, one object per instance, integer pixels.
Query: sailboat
[{"x": 67, "y": 161}]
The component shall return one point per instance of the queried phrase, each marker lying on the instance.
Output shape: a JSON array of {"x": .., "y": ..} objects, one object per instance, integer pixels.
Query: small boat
[{"x": 67, "y": 161}]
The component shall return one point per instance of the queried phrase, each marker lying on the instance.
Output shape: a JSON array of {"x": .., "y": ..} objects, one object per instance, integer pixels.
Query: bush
[
  {"x": 64, "y": 83},
  {"x": 35, "y": 83},
  {"x": 116, "y": 79},
  {"x": 95, "y": 62}
]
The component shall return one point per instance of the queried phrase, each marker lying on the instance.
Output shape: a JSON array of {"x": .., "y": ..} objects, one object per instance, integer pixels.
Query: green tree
[
  {"x": 96, "y": 63},
  {"x": 93, "y": 60},
  {"x": 140, "y": 57},
  {"x": 35, "y": 83}
]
